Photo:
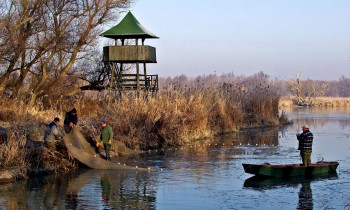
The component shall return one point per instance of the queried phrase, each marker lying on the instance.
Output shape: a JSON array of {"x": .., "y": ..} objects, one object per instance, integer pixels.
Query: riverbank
[
  {"x": 318, "y": 101},
  {"x": 141, "y": 122},
  {"x": 204, "y": 168}
]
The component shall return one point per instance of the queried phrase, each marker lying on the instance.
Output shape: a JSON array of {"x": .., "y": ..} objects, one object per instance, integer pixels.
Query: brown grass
[
  {"x": 20, "y": 151},
  {"x": 174, "y": 116},
  {"x": 332, "y": 101},
  {"x": 13, "y": 153},
  {"x": 286, "y": 101},
  {"x": 319, "y": 101}
]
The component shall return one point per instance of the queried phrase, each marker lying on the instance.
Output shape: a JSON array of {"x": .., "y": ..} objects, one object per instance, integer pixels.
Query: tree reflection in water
[
  {"x": 305, "y": 193},
  {"x": 91, "y": 188},
  {"x": 128, "y": 189},
  {"x": 206, "y": 173}
]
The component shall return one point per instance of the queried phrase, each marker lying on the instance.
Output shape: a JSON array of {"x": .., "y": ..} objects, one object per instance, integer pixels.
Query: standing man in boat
[
  {"x": 70, "y": 120},
  {"x": 305, "y": 145},
  {"x": 107, "y": 138}
]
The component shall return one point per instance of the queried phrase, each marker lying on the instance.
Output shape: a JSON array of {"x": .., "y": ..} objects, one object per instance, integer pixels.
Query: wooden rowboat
[{"x": 291, "y": 169}]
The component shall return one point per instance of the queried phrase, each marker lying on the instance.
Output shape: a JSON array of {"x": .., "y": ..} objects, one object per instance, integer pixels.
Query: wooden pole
[
  {"x": 144, "y": 66},
  {"x": 111, "y": 85},
  {"x": 145, "y": 74},
  {"x": 137, "y": 69},
  {"x": 120, "y": 77}
]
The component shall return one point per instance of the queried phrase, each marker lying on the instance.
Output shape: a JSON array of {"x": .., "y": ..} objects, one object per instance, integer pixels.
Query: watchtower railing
[{"x": 129, "y": 82}]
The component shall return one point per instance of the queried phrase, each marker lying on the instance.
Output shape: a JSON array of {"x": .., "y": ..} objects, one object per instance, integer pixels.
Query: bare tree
[
  {"x": 18, "y": 22},
  {"x": 305, "y": 91},
  {"x": 45, "y": 40}
]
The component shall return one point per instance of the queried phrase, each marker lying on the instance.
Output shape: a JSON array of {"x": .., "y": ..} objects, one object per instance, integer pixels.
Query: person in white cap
[{"x": 305, "y": 145}]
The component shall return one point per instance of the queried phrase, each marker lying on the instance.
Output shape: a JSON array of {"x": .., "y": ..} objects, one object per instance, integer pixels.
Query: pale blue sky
[{"x": 279, "y": 37}]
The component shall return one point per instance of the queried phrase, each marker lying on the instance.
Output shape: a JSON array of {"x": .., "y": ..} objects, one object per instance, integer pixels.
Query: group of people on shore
[{"x": 53, "y": 133}]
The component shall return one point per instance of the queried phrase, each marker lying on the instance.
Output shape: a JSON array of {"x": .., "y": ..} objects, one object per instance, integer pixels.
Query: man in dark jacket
[
  {"x": 305, "y": 145},
  {"x": 107, "y": 138},
  {"x": 70, "y": 120}
]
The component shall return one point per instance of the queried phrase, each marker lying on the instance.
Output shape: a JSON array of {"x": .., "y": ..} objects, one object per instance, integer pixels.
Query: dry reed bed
[
  {"x": 332, "y": 101},
  {"x": 319, "y": 101},
  {"x": 12, "y": 154},
  {"x": 20, "y": 151},
  {"x": 174, "y": 116}
]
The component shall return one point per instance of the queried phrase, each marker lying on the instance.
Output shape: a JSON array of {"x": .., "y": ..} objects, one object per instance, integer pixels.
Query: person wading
[
  {"x": 305, "y": 145},
  {"x": 107, "y": 138},
  {"x": 52, "y": 133},
  {"x": 70, "y": 120}
]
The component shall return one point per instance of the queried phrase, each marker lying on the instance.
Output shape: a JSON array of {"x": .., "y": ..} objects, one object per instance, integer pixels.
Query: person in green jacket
[{"x": 107, "y": 138}]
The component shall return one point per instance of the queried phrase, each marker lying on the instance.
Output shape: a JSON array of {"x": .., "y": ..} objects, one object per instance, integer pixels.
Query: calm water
[{"x": 207, "y": 175}]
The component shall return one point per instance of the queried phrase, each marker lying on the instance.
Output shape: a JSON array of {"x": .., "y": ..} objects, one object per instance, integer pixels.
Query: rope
[{"x": 315, "y": 153}]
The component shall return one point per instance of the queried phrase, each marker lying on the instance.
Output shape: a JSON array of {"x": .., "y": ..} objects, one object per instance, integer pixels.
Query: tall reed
[
  {"x": 175, "y": 115},
  {"x": 12, "y": 153}
]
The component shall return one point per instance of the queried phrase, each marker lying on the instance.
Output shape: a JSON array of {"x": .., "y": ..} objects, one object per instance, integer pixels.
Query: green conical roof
[{"x": 128, "y": 28}]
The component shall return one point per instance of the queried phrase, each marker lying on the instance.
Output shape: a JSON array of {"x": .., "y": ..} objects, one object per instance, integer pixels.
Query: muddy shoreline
[{"x": 19, "y": 173}]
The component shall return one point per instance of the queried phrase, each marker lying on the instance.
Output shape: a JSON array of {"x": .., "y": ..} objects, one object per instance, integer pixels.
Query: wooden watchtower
[{"x": 124, "y": 57}]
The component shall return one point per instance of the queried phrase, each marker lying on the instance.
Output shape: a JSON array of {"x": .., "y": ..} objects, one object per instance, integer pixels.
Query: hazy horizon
[{"x": 244, "y": 37}]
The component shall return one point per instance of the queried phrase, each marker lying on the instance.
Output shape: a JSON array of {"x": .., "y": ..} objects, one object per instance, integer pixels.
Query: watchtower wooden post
[{"x": 117, "y": 57}]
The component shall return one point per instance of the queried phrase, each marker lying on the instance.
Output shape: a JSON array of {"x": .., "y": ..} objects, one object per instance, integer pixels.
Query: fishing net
[{"x": 81, "y": 150}]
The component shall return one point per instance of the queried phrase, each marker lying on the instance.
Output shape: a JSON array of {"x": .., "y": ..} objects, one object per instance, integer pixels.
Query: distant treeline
[
  {"x": 339, "y": 87},
  {"x": 334, "y": 88}
]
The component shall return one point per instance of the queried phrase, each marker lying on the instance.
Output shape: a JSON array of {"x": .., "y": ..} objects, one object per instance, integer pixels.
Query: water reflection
[
  {"x": 203, "y": 155},
  {"x": 262, "y": 136},
  {"x": 90, "y": 188},
  {"x": 305, "y": 192},
  {"x": 206, "y": 174},
  {"x": 106, "y": 188},
  {"x": 127, "y": 189},
  {"x": 319, "y": 117},
  {"x": 305, "y": 196}
]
